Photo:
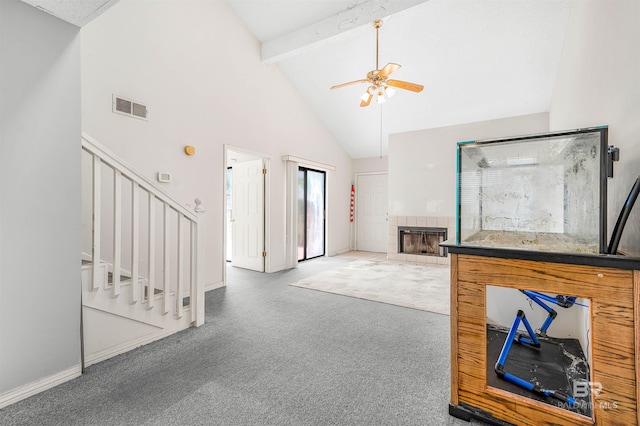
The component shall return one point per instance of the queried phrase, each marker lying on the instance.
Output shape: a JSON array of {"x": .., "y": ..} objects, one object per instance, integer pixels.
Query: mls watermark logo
[{"x": 582, "y": 389}]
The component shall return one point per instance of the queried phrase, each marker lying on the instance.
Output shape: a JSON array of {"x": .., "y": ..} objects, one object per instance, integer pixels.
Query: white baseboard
[
  {"x": 42, "y": 385},
  {"x": 278, "y": 268},
  {"x": 213, "y": 286},
  {"x": 339, "y": 252},
  {"x": 126, "y": 347}
]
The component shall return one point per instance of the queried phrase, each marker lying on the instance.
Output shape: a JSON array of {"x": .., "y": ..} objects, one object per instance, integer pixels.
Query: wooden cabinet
[{"x": 613, "y": 288}]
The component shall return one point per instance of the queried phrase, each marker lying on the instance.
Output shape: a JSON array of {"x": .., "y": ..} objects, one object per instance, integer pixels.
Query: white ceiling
[
  {"x": 76, "y": 12},
  {"x": 478, "y": 59}
]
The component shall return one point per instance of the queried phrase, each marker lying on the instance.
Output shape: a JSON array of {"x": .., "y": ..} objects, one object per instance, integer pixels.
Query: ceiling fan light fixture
[
  {"x": 389, "y": 91},
  {"x": 378, "y": 79}
]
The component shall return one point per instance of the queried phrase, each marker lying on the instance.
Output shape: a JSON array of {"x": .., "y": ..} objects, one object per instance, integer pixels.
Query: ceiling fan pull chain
[{"x": 381, "y": 131}]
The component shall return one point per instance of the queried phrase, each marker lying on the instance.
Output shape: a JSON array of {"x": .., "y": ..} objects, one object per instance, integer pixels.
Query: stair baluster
[{"x": 170, "y": 277}]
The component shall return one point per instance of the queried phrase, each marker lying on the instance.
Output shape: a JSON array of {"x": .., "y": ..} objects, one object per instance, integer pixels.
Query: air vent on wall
[{"x": 128, "y": 107}]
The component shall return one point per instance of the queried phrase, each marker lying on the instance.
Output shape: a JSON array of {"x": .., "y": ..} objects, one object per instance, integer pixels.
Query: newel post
[{"x": 198, "y": 263}]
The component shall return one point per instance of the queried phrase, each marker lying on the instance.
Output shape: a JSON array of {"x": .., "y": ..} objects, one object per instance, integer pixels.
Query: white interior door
[
  {"x": 371, "y": 213},
  {"x": 247, "y": 215}
]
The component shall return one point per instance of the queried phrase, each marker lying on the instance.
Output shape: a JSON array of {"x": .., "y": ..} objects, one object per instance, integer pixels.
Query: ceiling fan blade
[
  {"x": 348, "y": 84},
  {"x": 367, "y": 102},
  {"x": 388, "y": 69},
  {"x": 405, "y": 85}
]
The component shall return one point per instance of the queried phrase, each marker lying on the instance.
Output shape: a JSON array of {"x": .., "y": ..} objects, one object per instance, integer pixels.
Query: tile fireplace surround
[{"x": 421, "y": 221}]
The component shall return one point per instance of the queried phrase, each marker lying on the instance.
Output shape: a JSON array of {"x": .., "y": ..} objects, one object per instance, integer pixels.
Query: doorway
[
  {"x": 246, "y": 196},
  {"x": 311, "y": 213},
  {"x": 371, "y": 212}
]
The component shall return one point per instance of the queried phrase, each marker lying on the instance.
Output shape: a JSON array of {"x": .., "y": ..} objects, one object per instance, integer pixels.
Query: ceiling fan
[{"x": 378, "y": 80}]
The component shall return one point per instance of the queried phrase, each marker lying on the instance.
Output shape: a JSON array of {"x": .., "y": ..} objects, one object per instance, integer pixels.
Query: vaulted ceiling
[{"x": 477, "y": 59}]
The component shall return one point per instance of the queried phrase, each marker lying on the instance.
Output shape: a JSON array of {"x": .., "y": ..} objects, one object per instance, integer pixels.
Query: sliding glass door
[{"x": 311, "y": 213}]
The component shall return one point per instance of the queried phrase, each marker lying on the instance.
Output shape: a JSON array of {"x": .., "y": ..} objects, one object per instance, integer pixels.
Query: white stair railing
[{"x": 175, "y": 238}]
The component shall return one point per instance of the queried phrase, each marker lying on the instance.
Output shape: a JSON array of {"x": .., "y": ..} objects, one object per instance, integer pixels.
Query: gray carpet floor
[{"x": 269, "y": 354}]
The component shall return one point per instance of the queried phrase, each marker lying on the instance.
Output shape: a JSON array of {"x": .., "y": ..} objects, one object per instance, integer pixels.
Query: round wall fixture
[{"x": 189, "y": 150}]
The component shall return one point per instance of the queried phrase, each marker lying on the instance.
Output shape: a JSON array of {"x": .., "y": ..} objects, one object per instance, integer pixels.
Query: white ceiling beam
[{"x": 325, "y": 31}]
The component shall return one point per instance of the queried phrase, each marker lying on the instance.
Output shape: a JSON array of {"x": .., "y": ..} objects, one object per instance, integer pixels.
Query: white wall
[
  {"x": 422, "y": 164},
  {"x": 598, "y": 83},
  {"x": 39, "y": 197},
  {"x": 370, "y": 165},
  {"x": 199, "y": 71}
]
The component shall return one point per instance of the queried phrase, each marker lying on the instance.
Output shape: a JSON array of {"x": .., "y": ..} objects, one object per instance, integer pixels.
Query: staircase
[{"x": 139, "y": 262}]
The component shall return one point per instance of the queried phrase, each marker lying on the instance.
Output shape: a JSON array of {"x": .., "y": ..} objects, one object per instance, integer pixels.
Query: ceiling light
[
  {"x": 379, "y": 79},
  {"x": 390, "y": 91}
]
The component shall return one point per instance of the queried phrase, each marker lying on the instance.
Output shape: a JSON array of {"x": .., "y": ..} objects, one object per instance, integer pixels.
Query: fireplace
[{"x": 422, "y": 241}]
